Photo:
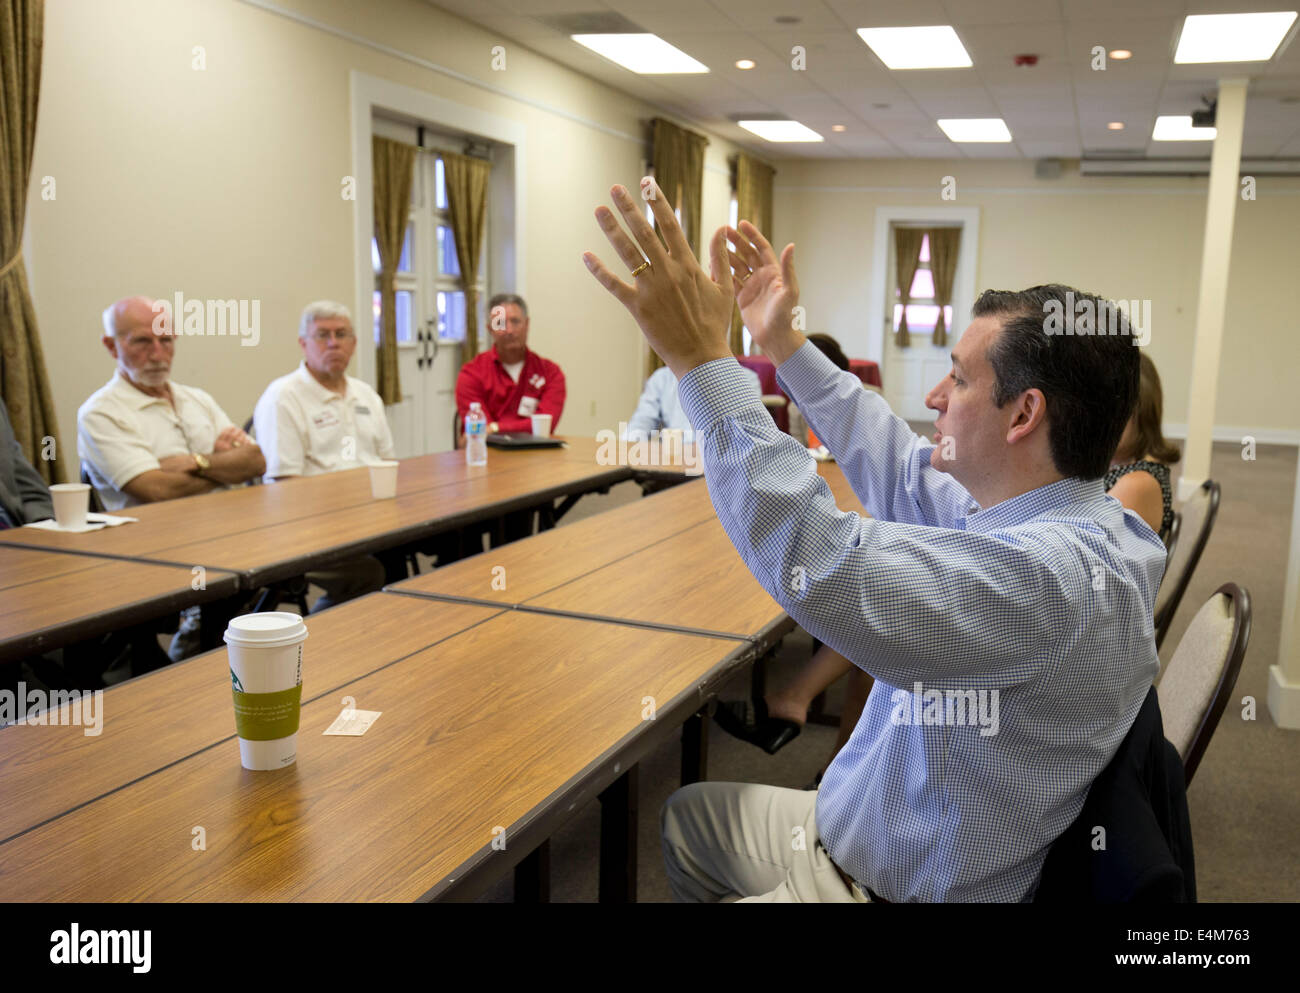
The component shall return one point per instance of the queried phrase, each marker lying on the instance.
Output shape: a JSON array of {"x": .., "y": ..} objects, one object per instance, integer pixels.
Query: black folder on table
[{"x": 522, "y": 439}]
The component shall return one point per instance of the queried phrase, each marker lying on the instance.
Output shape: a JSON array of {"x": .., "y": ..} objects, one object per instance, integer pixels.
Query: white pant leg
[{"x": 759, "y": 842}]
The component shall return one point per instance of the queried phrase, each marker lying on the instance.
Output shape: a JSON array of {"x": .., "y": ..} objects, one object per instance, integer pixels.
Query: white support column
[
  {"x": 1212, "y": 302},
  {"x": 1284, "y": 678}
]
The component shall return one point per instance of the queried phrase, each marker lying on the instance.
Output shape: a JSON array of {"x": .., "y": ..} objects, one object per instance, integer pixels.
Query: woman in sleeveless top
[{"x": 1139, "y": 472}]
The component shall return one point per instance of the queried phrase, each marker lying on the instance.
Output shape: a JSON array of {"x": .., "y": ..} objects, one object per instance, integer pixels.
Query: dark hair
[
  {"x": 1083, "y": 358},
  {"x": 1149, "y": 413},
  {"x": 499, "y": 299},
  {"x": 831, "y": 349}
]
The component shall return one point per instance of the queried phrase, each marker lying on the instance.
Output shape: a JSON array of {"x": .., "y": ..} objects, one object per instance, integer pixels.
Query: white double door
[{"x": 427, "y": 370}]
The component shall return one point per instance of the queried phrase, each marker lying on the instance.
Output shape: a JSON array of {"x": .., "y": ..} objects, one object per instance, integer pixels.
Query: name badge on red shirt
[{"x": 527, "y": 406}]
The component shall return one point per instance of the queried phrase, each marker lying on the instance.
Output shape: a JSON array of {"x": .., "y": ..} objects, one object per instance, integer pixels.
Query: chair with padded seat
[
  {"x": 1198, "y": 513},
  {"x": 1200, "y": 677}
]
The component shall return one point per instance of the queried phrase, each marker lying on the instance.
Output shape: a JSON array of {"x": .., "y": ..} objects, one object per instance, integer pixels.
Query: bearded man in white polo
[
  {"x": 142, "y": 437},
  {"x": 318, "y": 419}
]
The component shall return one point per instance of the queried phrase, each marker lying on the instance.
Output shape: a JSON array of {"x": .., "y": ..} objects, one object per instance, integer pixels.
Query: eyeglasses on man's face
[{"x": 323, "y": 335}]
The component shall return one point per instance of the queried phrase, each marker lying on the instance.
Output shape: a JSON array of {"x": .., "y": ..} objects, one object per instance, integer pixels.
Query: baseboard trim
[
  {"x": 1262, "y": 436},
  {"x": 1283, "y": 700}
]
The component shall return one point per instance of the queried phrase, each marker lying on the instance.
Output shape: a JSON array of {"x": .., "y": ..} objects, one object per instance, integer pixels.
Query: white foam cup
[
  {"x": 71, "y": 502},
  {"x": 542, "y": 425},
  {"x": 383, "y": 480},
  {"x": 265, "y": 653}
]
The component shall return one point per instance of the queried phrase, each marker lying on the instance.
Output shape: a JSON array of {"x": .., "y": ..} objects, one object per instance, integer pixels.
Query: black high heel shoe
[{"x": 750, "y": 721}]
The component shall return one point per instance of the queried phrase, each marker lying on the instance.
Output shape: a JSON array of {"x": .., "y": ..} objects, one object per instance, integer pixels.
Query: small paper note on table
[{"x": 353, "y": 722}]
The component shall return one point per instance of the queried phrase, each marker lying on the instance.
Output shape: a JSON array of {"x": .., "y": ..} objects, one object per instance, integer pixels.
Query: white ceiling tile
[
  {"x": 996, "y": 45},
  {"x": 991, "y": 150},
  {"x": 1091, "y": 10},
  {"x": 962, "y": 12},
  {"x": 1150, "y": 39},
  {"x": 1062, "y": 149},
  {"x": 888, "y": 13},
  {"x": 760, "y": 15},
  {"x": 667, "y": 16}
]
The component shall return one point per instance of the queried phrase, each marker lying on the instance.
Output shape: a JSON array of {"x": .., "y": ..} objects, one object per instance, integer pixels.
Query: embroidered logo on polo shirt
[
  {"x": 537, "y": 381},
  {"x": 325, "y": 419}
]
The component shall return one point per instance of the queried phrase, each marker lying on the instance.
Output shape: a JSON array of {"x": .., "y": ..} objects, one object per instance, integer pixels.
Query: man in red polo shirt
[{"x": 510, "y": 382}]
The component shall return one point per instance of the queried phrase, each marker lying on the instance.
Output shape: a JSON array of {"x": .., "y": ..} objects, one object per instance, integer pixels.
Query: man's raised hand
[
  {"x": 683, "y": 312},
  {"x": 766, "y": 290}
]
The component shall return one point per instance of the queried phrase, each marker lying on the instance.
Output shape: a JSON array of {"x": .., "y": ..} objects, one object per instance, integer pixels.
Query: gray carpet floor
[{"x": 1244, "y": 800}]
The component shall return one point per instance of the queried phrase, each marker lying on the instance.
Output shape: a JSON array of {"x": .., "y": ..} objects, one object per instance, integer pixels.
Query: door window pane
[
  {"x": 404, "y": 263},
  {"x": 923, "y": 285},
  {"x": 921, "y": 316},
  {"x": 451, "y": 316},
  {"x": 440, "y": 184},
  {"x": 405, "y": 330},
  {"x": 448, "y": 260}
]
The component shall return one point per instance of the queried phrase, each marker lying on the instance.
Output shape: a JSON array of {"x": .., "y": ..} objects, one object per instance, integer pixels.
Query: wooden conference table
[
  {"x": 49, "y": 599},
  {"x": 252, "y": 536},
  {"x": 478, "y": 747},
  {"x": 482, "y": 684}
]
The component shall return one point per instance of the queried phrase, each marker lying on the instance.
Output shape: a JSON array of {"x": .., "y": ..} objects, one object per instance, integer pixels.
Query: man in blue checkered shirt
[{"x": 999, "y": 597}]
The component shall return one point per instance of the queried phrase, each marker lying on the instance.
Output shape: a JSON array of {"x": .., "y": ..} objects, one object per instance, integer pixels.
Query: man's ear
[
  {"x": 1030, "y": 411},
  {"x": 111, "y": 344}
]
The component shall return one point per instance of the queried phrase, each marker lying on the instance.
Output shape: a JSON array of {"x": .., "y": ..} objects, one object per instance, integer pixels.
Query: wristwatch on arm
[{"x": 201, "y": 463}]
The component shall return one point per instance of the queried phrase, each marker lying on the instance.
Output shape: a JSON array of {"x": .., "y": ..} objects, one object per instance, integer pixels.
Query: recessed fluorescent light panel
[
  {"x": 1180, "y": 129},
  {"x": 935, "y": 47},
  {"x": 975, "y": 129},
  {"x": 780, "y": 130},
  {"x": 647, "y": 54},
  {"x": 1232, "y": 37}
]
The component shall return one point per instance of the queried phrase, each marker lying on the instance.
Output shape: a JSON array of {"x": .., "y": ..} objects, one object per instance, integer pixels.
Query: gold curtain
[
  {"x": 907, "y": 248},
  {"x": 678, "y": 160},
  {"x": 754, "y": 204},
  {"x": 467, "y": 189},
  {"x": 944, "y": 244},
  {"x": 22, "y": 363},
  {"x": 394, "y": 166}
]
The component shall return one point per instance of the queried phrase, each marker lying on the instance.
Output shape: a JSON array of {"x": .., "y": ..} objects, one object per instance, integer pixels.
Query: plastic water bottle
[{"x": 475, "y": 436}]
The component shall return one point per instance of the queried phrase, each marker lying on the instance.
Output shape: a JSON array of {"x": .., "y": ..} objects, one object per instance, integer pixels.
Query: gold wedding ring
[
  {"x": 745, "y": 277},
  {"x": 641, "y": 268}
]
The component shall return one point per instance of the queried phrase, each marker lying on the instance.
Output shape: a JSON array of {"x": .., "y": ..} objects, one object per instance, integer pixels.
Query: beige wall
[
  {"x": 226, "y": 182},
  {"x": 1125, "y": 238}
]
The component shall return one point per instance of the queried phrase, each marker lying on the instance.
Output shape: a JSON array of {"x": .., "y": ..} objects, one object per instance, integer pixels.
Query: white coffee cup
[
  {"x": 71, "y": 502},
  {"x": 383, "y": 480},
  {"x": 542, "y": 425},
  {"x": 265, "y": 652}
]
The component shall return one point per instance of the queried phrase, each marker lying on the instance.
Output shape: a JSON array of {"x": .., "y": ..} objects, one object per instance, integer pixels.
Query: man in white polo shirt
[
  {"x": 318, "y": 419},
  {"x": 143, "y": 438}
]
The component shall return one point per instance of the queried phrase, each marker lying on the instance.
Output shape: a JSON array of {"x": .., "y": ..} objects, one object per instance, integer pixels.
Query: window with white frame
[{"x": 430, "y": 268}]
